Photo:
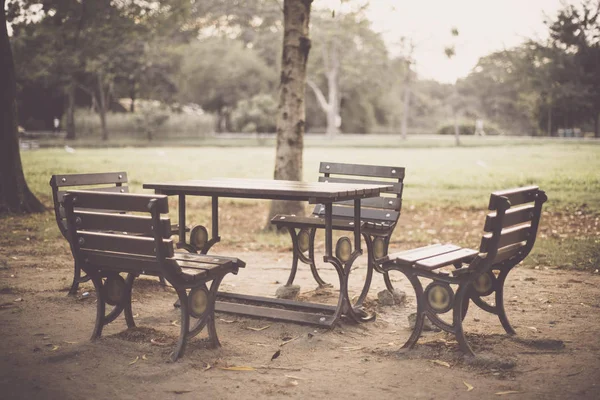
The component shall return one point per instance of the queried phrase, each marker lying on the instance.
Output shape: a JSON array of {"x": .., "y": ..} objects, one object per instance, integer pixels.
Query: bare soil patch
[{"x": 45, "y": 350}]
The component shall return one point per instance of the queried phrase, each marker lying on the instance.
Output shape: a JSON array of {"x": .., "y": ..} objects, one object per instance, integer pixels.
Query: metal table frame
[{"x": 313, "y": 192}]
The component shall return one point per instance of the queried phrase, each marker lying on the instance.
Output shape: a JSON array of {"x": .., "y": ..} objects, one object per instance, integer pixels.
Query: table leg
[
  {"x": 215, "y": 217},
  {"x": 181, "y": 220}
]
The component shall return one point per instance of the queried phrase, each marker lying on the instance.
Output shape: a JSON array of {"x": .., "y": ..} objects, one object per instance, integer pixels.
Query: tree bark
[
  {"x": 71, "y": 109},
  {"x": 597, "y": 125},
  {"x": 102, "y": 106},
  {"x": 15, "y": 196},
  {"x": 291, "y": 111}
]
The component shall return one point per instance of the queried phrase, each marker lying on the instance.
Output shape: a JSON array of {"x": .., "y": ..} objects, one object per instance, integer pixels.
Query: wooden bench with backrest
[
  {"x": 510, "y": 232},
  {"x": 105, "y": 182},
  {"x": 109, "y": 245},
  {"x": 379, "y": 215}
]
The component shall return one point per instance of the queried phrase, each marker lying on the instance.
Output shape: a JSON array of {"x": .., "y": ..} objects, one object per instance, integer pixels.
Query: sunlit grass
[{"x": 463, "y": 177}]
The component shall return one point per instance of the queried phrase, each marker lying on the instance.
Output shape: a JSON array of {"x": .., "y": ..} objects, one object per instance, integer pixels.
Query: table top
[{"x": 314, "y": 192}]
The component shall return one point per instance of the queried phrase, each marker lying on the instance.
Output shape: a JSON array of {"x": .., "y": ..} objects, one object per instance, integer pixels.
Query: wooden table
[{"x": 312, "y": 192}]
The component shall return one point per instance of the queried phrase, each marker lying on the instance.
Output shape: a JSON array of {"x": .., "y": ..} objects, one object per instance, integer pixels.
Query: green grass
[
  {"x": 464, "y": 176},
  {"x": 439, "y": 180}
]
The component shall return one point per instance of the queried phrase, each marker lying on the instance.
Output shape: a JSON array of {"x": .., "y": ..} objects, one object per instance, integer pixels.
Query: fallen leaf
[
  {"x": 181, "y": 391},
  {"x": 293, "y": 382},
  {"x": 507, "y": 392},
  {"x": 70, "y": 342},
  {"x": 134, "y": 360},
  {"x": 18, "y": 299},
  {"x": 276, "y": 354},
  {"x": 157, "y": 343},
  {"x": 208, "y": 366},
  {"x": 258, "y": 329},
  {"x": 175, "y": 323},
  {"x": 440, "y": 362},
  {"x": 238, "y": 368},
  {"x": 228, "y": 321},
  {"x": 144, "y": 357},
  {"x": 54, "y": 348},
  {"x": 469, "y": 386},
  {"x": 533, "y": 328}
]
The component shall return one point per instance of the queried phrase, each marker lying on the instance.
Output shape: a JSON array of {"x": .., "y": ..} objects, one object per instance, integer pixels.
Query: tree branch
[{"x": 319, "y": 94}]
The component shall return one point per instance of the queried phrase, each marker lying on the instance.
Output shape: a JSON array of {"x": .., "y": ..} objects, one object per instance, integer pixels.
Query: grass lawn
[{"x": 440, "y": 181}]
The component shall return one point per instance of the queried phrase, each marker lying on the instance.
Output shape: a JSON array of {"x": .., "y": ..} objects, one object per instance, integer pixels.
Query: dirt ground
[{"x": 45, "y": 351}]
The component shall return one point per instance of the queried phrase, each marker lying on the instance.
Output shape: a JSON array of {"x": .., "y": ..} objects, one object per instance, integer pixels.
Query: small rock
[
  {"x": 385, "y": 298},
  {"x": 427, "y": 325},
  {"x": 287, "y": 292},
  {"x": 399, "y": 296}
]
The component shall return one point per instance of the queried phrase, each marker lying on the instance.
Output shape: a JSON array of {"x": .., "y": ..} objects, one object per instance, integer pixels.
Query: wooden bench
[
  {"x": 511, "y": 229},
  {"x": 107, "y": 245},
  {"x": 115, "y": 182},
  {"x": 379, "y": 216}
]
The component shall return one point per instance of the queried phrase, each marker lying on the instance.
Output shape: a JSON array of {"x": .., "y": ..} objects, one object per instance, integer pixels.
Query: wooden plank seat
[
  {"x": 510, "y": 232},
  {"x": 379, "y": 215},
  {"x": 115, "y": 182},
  {"x": 107, "y": 246}
]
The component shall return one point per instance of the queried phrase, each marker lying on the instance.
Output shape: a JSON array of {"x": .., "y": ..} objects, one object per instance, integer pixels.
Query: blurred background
[{"x": 140, "y": 71}]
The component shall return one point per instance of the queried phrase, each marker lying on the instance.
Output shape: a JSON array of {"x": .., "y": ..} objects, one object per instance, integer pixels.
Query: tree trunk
[
  {"x": 132, "y": 95},
  {"x": 15, "y": 195},
  {"x": 406, "y": 107},
  {"x": 102, "y": 100},
  {"x": 291, "y": 111},
  {"x": 456, "y": 129},
  {"x": 549, "y": 121},
  {"x": 71, "y": 109},
  {"x": 597, "y": 126}
]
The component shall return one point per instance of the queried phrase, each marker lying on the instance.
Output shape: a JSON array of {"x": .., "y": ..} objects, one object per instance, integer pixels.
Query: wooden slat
[
  {"x": 515, "y": 196},
  {"x": 208, "y": 259},
  {"x": 384, "y": 203},
  {"x": 507, "y": 252},
  {"x": 509, "y": 236},
  {"x": 411, "y": 256},
  {"x": 365, "y": 214},
  {"x": 118, "y": 201},
  {"x": 119, "y": 243},
  {"x": 148, "y": 265},
  {"x": 109, "y": 189},
  {"x": 311, "y": 222},
  {"x": 513, "y": 216},
  {"x": 362, "y": 170},
  {"x": 397, "y": 186},
  {"x": 93, "y": 221},
  {"x": 89, "y": 179},
  {"x": 442, "y": 260},
  {"x": 276, "y": 314}
]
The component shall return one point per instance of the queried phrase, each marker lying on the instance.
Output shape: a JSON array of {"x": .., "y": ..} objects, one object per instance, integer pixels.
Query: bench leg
[
  {"x": 185, "y": 324},
  {"x": 500, "y": 301},
  {"x": 299, "y": 256},
  {"x": 420, "y": 317},
  {"x": 100, "y": 307},
  {"x": 122, "y": 306},
  {"x": 462, "y": 295},
  {"x": 208, "y": 318}
]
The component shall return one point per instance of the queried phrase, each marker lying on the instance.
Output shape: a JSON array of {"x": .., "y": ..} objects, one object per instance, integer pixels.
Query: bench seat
[
  {"x": 433, "y": 257},
  {"x": 342, "y": 224}
]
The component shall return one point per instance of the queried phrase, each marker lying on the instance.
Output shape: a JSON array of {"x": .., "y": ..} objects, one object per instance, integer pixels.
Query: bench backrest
[
  {"x": 119, "y": 239},
  {"x": 105, "y": 182},
  {"x": 513, "y": 223},
  {"x": 385, "y": 208}
]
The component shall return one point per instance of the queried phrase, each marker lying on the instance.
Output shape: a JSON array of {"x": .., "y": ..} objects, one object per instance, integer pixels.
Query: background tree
[
  {"x": 15, "y": 195},
  {"x": 217, "y": 73},
  {"x": 291, "y": 112},
  {"x": 450, "y": 52}
]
